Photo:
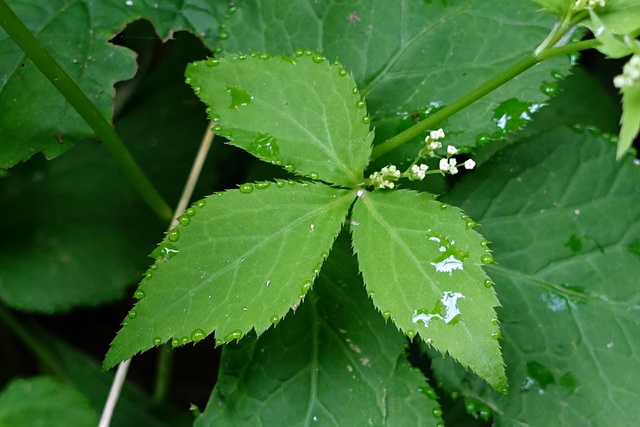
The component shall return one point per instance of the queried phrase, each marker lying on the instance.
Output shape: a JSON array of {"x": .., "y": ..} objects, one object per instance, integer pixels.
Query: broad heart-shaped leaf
[
  {"x": 35, "y": 116},
  {"x": 412, "y": 56},
  {"x": 41, "y": 401},
  {"x": 244, "y": 259},
  {"x": 630, "y": 119},
  {"x": 564, "y": 219},
  {"x": 300, "y": 112},
  {"x": 334, "y": 363},
  {"x": 422, "y": 265}
]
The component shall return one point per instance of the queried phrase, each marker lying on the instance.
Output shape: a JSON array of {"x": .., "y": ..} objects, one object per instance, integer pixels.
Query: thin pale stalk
[
  {"x": 165, "y": 361},
  {"x": 41, "y": 58}
]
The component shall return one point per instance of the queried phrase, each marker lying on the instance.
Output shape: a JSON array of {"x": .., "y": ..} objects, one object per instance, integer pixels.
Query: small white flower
[
  {"x": 451, "y": 150},
  {"x": 630, "y": 73},
  {"x": 418, "y": 172},
  {"x": 436, "y": 134},
  {"x": 444, "y": 165},
  {"x": 469, "y": 164},
  {"x": 434, "y": 145}
]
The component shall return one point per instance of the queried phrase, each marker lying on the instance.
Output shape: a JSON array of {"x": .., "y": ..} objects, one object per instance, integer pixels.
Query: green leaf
[
  {"x": 241, "y": 263},
  {"x": 43, "y": 401},
  {"x": 336, "y": 362},
  {"x": 621, "y": 16},
  {"x": 559, "y": 7},
  {"x": 422, "y": 265},
  {"x": 299, "y": 112},
  {"x": 611, "y": 44},
  {"x": 563, "y": 217},
  {"x": 411, "y": 56},
  {"x": 35, "y": 116},
  {"x": 630, "y": 119}
]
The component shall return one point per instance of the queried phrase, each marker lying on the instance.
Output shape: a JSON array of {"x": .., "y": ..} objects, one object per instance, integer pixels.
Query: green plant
[{"x": 315, "y": 270}]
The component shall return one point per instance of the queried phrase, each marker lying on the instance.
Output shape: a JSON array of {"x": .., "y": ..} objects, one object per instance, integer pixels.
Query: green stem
[
  {"x": 471, "y": 97},
  {"x": 79, "y": 101},
  {"x": 42, "y": 353},
  {"x": 163, "y": 373}
]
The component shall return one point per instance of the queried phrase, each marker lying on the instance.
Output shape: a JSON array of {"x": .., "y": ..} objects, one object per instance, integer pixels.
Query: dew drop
[
  {"x": 313, "y": 175},
  {"x": 208, "y": 110},
  {"x": 223, "y": 35},
  {"x": 242, "y": 56},
  {"x": 148, "y": 275},
  {"x": 154, "y": 267},
  {"x": 487, "y": 259},
  {"x": 201, "y": 203},
  {"x": 494, "y": 321},
  {"x": 496, "y": 335},
  {"x": 289, "y": 168},
  {"x": 275, "y": 319},
  {"x": 264, "y": 55},
  {"x": 355, "y": 90},
  {"x": 132, "y": 314},
  {"x": 232, "y": 10},
  {"x": 246, "y": 188},
  {"x": 549, "y": 89},
  {"x": 361, "y": 104},
  {"x": 366, "y": 120},
  {"x": 299, "y": 52},
  {"x": 198, "y": 335},
  {"x": 308, "y": 52},
  {"x": 484, "y": 243},
  {"x": 184, "y": 219},
  {"x": 483, "y": 138},
  {"x": 184, "y": 340},
  {"x": 342, "y": 72},
  {"x": 317, "y": 268},
  {"x": 173, "y": 234},
  {"x": 411, "y": 334},
  {"x": 187, "y": 80},
  {"x": 239, "y": 98},
  {"x": 197, "y": 90},
  {"x": 217, "y": 128},
  {"x": 306, "y": 285},
  {"x": 175, "y": 342},
  {"x": 139, "y": 294},
  {"x": 212, "y": 62},
  {"x": 437, "y": 412},
  {"x": 386, "y": 314},
  {"x": 317, "y": 58},
  {"x": 190, "y": 212},
  {"x": 262, "y": 185},
  {"x": 279, "y": 183},
  {"x": 233, "y": 335},
  {"x": 443, "y": 206},
  {"x": 488, "y": 283},
  {"x": 431, "y": 393},
  {"x": 157, "y": 341},
  {"x": 264, "y": 146},
  {"x": 469, "y": 223},
  {"x": 557, "y": 75}
]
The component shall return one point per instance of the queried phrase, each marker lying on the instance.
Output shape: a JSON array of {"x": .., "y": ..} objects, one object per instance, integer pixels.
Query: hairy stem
[
  {"x": 471, "y": 97},
  {"x": 84, "y": 107}
]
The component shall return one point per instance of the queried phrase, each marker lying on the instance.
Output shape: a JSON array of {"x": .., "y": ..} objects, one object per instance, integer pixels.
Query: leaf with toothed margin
[
  {"x": 242, "y": 261},
  {"x": 336, "y": 362},
  {"x": 299, "y": 112},
  {"x": 630, "y": 119},
  {"x": 422, "y": 265}
]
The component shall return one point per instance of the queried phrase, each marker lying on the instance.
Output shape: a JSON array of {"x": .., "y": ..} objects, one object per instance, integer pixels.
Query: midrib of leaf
[
  {"x": 400, "y": 52},
  {"x": 264, "y": 241}
]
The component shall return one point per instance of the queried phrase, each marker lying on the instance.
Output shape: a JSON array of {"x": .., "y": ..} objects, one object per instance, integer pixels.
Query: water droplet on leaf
[
  {"x": 264, "y": 56},
  {"x": 246, "y": 188},
  {"x": 261, "y": 185},
  {"x": 157, "y": 341},
  {"x": 239, "y": 98},
  {"x": 223, "y": 35},
  {"x": 184, "y": 219},
  {"x": 201, "y": 203},
  {"x": 549, "y": 89},
  {"x": 173, "y": 234},
  {"x": 313, "y": 175},
  {"x": 361, "y": 104},
  {"x": 342, "y": 72},
  {"x": 233, "y": 335},
  {"x": 488, "y": 283},
  {"x": 306, "y": 285},
  {"x": 289, "y": 168},
  {"x": 139, "y": 294},
  {"x": 487, "y": 259},
  {"x": 132, "y": 314},
  {"x": 212, "y": 62},
  {"x": 190, "y": 211},
  {"x": 275, "y": 319},
  {"x": 175, "y": 342},
  {"x": 198, "y": 335}
]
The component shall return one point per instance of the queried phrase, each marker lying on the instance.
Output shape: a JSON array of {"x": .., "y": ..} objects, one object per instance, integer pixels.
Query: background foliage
[{"x": 561, "y": 215}]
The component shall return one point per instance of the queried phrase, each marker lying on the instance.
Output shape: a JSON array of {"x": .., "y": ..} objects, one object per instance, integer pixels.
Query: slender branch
[
  {"x": 471, "y": 97},
  {"x": 84, "y": 107},
  {"x": 165, "y": 361},
  {"x": 41, "y": 352}
]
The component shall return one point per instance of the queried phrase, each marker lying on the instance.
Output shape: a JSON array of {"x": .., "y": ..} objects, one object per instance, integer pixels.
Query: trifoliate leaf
[
  {"x": 630, "y": 119},
  {"x": 300, "y": 112},
  {"x": 335, "y": 362},
  {"x": 422, "y": 265},
  {"x": 564, "y": 220},
  {"x": 240, "y": 261},
  {"x": 42, "y": 401}
]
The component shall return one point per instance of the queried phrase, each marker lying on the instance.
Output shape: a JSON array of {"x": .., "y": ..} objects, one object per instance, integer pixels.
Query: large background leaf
[
  {"x": 422, "y": 266},
  {"x": 314, "y": 124},
  {"x": 335, "y": 362},
  {"x": 412, "y": 56},
  {"x": 230, "y": 270},
  {"x": 563, "y": 218},
  {"x": 44, "y": 401},
  {"x": 35, "y": 117}
]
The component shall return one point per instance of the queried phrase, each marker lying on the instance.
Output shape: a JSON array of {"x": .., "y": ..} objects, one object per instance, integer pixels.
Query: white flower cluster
[
  {"x": 433, "y": 143},
  {"x": 630, "y": 73},
  {"x": 418, "y": 172},
  {"x": 385, "y": 178},
  {"x": 589, "y": 4},
  {"x": 450, "y": 164}
]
